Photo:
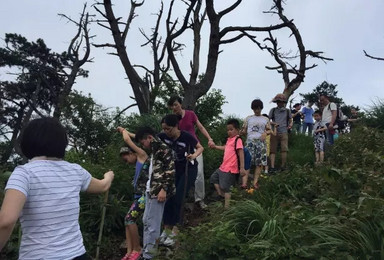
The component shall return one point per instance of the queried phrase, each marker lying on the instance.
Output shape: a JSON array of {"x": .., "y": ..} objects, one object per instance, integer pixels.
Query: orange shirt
[{"x": 229, "y": 163}]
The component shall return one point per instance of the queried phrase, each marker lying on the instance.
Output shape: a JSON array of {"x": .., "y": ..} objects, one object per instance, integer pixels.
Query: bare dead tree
[
  {"x": 283, "y": 59},
  {"x": 372, "y": 57},
  {"x": 195, "y": 87},
  {"x": 79, "y": 43},
  {"x": 142, "y": 86}
]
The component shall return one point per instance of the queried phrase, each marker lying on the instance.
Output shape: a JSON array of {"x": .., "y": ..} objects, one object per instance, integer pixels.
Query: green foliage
[
  {"x": 323, "y": 88},
  {"x": 375, "y": 115}
]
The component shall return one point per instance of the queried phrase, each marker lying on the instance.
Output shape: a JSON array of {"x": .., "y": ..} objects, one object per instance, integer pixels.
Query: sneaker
[
  {"x": 127, "y": 256},
  {"x": 135, "y": 255},
  {"x": 201, "y": 204},
  {"x": 170, "y": 241},
  {"x": 163, "y": 237}
]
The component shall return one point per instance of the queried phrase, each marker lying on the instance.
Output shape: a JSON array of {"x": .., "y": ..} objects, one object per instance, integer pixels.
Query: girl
[{"x": 133, "y": 155}]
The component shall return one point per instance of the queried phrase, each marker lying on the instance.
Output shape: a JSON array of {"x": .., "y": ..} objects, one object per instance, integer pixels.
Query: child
[
  {"x": 272, "y": 131},
  {"x": 186, "y": 149},
  {"x": 133, "y": 155},
  {"x": 256, "y": 127},
  {"x": 224, "y": 177},
  {"x": 319, "y": 137},
  {"x": 158, "y": 183},
  {"x": 45, "y": 194}
]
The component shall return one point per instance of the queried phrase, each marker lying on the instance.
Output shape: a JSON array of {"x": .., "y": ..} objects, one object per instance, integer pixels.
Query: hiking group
[{"x": 44, "y": 193}]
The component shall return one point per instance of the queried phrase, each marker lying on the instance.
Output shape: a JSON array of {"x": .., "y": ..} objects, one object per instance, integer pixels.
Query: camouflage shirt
[{"x": 163, "y": 173}]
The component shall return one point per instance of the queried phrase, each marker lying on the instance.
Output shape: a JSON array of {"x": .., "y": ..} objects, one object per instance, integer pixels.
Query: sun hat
[{"x": 279, "y": 97}]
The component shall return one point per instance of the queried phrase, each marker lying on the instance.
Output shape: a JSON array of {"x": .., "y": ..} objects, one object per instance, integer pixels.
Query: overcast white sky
[{"x": 339, "y": 28}]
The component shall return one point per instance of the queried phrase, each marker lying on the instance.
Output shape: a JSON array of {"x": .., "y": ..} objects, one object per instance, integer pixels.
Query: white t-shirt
[
  {"x": 327, "y": 112},
  {"x": 255, "y": 126},
  {"x": 50, "y": 216}
]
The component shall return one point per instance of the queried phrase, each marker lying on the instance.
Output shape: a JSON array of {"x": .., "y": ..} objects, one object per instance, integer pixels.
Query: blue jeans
[
  {"x": 329, "y": 135},
  {"x": 309, "y": 126}
]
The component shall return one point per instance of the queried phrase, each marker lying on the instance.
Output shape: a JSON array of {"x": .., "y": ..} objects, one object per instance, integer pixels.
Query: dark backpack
[{"x": 339, "y": 122}]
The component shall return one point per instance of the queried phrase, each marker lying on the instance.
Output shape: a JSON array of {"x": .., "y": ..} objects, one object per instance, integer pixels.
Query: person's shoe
[
  {"x": 170, "y": 241},
  {"x": 163, "y": 237},
  {"x": 127, "y": 256},
  {"x": 135, "y": 255},
  {"x": 201, "y": 204},
  {"x": 272, "y": 171}
]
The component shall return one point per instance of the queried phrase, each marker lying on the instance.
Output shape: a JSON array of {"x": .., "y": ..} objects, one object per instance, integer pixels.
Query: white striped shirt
[{"x": 50, "y": 216}]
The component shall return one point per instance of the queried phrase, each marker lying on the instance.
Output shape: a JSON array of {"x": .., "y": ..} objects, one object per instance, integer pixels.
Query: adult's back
[{"x": 49, "y": 218}]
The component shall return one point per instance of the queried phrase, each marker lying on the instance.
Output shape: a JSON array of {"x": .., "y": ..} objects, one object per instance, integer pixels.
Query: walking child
[
  {"x": 225, "y": 177},
  {"x": 158, "y": 183},
  {"x": 319, "y": 136},
  {"x": 256, "y": 127},
  {"x": 133, "y": 154}
]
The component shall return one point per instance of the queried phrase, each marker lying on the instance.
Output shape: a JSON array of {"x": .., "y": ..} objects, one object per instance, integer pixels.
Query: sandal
[
  {"x": 256, "y": 186},
  {"x": 127, "y": 256}
]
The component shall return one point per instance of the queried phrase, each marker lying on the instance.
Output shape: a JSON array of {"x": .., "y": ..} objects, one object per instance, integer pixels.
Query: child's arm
[
  {"x": 13, "y": 203},
  {"x": 240, "y": 152},
  {"x": 219, "y": 147},
  {"x": 323, "y": 129},
  {"x": 100, "y": 186},
  {"x": 141, "y": 154}
]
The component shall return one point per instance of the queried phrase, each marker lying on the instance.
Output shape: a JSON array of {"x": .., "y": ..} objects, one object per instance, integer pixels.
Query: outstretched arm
[
  {"x": 100, "y": 186},
  {"x": 205, "y": 133},
  {"x": 13, "y": 203}
]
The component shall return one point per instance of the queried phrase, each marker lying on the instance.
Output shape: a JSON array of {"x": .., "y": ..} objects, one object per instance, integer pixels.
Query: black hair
[
  {"x": 296, "y": 105},
  {"x": 234, "y": 122},
  {"x": 44, "y": 137},
  {"x": 173, "y": 99},
  {"x": 257, "y": 103},
  {"x": 144, "y": 132},
  {"x": 171, "y": 120},
  {"x": 317, "y": 112}
]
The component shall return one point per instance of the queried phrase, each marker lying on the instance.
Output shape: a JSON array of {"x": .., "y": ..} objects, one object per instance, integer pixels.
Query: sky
[{"x": 342, "y": 29}]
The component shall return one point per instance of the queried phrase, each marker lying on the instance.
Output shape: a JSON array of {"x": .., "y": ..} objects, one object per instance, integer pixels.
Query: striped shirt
[{"x": 50, "y": 216}]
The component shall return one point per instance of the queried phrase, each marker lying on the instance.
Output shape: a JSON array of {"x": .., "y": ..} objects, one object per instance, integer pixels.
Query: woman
[
  {"x": 45, "y": 193},
  {"x": 186, "y": 148}
]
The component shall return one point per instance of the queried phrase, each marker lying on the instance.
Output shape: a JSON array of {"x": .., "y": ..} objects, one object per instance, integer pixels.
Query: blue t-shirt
[
  {"x": 308, "y": 114},
  {"x": 138, "y": 168}
]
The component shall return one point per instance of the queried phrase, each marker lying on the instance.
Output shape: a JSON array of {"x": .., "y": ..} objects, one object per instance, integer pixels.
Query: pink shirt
[
  {"x": 230, "y": 159},
  {"x": 188, "y": 122}
]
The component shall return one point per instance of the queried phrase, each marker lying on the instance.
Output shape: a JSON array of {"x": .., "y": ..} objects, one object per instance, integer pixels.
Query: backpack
[{"x": 340, "y": 122}]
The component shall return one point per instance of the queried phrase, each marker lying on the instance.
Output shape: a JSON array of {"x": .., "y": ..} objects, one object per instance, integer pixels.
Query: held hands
[
  {"x": 211, "y": 143},
  {"x": 162, "y": 196},
  {"x": 243, "y": 172},
  {"x": 120, "y": 129}
]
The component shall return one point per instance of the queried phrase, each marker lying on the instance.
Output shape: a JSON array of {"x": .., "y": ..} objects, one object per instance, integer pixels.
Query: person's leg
[
  {"x": 244, "y": 179},
  {"x": 215, "y": 181},
  {"x": 321, "y": 156},
  {"x": 218, "y": 190},
  {"x": 310, "y": 129},
  {"x": 273, "y": 158},
  {"x": 257, "y": 176},
  {"x": 284, "y": 149},
  {"x": 200, "y": 182},
  {"x": 304, "y": 128},
  {"x": 227, "y": 199},
  {"x": 152, "y": 222},
  {"x": 135, "y": 237},
  {"x": 273, "y": 150},
  {"x": 128, "y": 240},
  {"x": 317, "y": 154}
]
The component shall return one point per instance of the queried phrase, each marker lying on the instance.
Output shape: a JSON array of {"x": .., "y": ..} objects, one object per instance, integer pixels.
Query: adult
[
  {"x": 188, "y": 122},
  {"x": 45, "y": 194},
  {"x": 353, "y": 120},
  {"x": 281, "y": 117},
  {"x": 329, "y": 114},
  {"x": 307, "y": 112},
  {"x": 296, "y": 116},
  {"x": 186, "y": 149}
]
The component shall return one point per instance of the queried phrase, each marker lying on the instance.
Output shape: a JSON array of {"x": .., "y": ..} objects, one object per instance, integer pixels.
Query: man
[
  {"x": 308, "y": 111},
  {"x": 282, "y": 118},
  {"x": 296, "y": 116},
  {"x": 329, "y": 116}
]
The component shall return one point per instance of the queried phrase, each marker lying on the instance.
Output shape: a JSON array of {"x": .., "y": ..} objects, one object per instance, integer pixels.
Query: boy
[
  {"x": 256, "y": 127},
  {"x": 225, "y": 177},
  {"x": 158, "y": 183},
  {"x": 319, "y": 137}
]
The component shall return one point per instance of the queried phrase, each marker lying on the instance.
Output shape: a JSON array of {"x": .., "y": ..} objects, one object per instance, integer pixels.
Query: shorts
[
  {"x": 319, "y": 142},
  {"x": 135, "y": 211},
  {"x": 258, "y": 151},
  {"x": 225, "y": 180},
  {"x": 283, "y": 139}
]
